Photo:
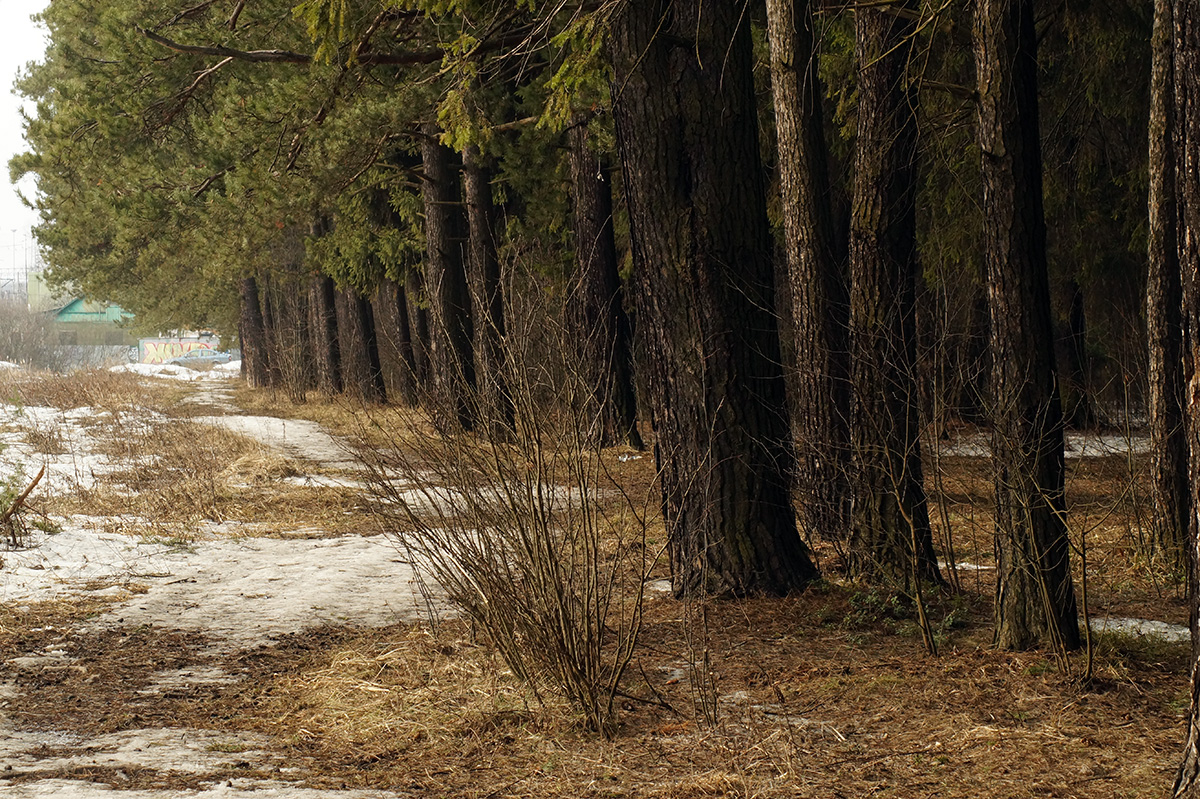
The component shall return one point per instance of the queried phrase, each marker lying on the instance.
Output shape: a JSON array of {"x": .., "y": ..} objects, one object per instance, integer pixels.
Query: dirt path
[{"x": 101, "y": 699}]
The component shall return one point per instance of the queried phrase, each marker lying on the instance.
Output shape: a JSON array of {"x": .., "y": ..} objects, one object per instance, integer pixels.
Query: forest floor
[{"x": 202, "y": 605}]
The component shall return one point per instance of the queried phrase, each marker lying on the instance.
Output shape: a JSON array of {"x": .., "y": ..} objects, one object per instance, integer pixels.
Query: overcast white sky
[{"x": 21, "y": 41}]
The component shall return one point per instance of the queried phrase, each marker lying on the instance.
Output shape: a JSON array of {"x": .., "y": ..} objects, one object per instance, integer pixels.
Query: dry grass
[
  {"x": 366, "y": 425},
  {"x": 97, "y": 388},
  {"x": 167, "y": 471},
  {"x": 807, "y": 707},
  {"x": 827, "y": 694}
]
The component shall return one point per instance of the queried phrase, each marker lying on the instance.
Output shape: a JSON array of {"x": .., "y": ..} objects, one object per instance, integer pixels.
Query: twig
[
  {"x": 7, "y": 520},
  {"x": 12, "y": 509}
]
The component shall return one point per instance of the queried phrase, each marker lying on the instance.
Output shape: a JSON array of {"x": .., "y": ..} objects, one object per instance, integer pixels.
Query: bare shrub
[
  {"x": 530, "y": 535},
  {"x": 26, "y": 337}
]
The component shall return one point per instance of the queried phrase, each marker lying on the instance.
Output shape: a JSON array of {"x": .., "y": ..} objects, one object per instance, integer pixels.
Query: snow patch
[
  {"x": 173, "y": 372},
  {"x": 297, "y": 438},
  {"x": 242, "y": 593},
  {"x": 1076, "y": 445},
  {"x": 1144, "y": 628}
]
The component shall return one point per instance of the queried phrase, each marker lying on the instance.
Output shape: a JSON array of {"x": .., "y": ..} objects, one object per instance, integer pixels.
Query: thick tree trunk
[
  {"x": 685, "y": 114},
  {"x": 323, "y": 329},
  {"x": 1164, "y": 314},
  {"x": 1035, "y": 597},
  {"x": 891, "y": 541},
  {"x": 818, "y": 374},
  {"x": 1186, "y": 140},
  {"x": 451, "y": 356},
  {"x": 252, "y": 331},
  {"x": 395, "y": 342},
  {"x": 596, "y": 319},
  {"x": 487, "y": 297},
  {"x": 361, "y": 373}
]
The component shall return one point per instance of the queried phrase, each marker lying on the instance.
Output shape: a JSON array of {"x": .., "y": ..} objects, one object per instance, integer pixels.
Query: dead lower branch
[{"x": 9, "y": 519}]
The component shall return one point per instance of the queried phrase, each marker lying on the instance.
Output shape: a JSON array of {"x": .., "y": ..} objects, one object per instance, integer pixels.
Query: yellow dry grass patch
[
  {"x": 94, "y": 388},
  {"x": 176, "y": 473},
  {"x": 260, "y": 467},
  {"x": 374, "y": 699}
]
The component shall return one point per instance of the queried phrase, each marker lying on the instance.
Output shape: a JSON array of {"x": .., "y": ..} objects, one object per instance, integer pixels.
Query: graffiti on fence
[{"x": 160, "y": 350}]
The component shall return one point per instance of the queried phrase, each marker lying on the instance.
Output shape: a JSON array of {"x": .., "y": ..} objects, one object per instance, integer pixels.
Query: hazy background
[{"x": 21, "y": 41}]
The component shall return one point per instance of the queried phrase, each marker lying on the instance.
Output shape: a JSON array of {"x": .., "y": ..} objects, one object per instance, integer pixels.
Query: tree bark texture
[
  {"x": 1164, "y": 309},
  {"x": 270, "y": 330},
  {"x": 290, "y": 335},
  {"x": 818, "y": 376},
  {"x": 361, "y": 371},
  {"x": 418, "y": 317},
  {"x": 704, "y": 294},
  {"x": 891, "y": 542},
  {"x": 1035, "y": 596},
  {"x": 395, "y": 342},
  {"x": 596, "y": 318},
  {"x": 251, "y": 331},
  {"x": 451, "y": 352},
  {"x": 1186, "y": 140},
  {"x": 323, "y": 335},
  {"x": 487, "y": 298}
]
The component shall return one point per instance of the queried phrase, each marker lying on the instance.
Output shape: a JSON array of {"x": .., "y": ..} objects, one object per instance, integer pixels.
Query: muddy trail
[{"x": 129, "y": 640}]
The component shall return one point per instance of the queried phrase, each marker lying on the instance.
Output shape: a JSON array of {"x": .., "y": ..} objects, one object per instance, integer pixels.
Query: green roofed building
[{"x": 77, "y": 321}]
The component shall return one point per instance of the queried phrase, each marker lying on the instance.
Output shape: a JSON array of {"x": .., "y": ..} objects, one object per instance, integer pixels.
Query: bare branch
[
  {"x": 207, "y": 183},
  {"x": 237, "y": 12},
  {"x": 180, "y": 98},
  {"x": 516, "y": 123},
  {"x": 285, "y": 56},
  {"x": 430, "y": 56},
  {"x": 188, "y": 13}
]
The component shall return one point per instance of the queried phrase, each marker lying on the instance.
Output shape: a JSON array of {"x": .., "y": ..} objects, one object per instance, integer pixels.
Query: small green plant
[
  {"x": 1038, "y": 669},
  {"x": 47, "y": 526},
  {"x": 875, "y": 607}
]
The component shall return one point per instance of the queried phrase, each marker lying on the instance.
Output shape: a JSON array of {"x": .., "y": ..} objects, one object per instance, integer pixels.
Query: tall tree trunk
[
  {"x": 1164, "y": 314},
  {"x": 395, "y": 342},
  {"x": 685, "y": 115},
  {"x": 1079, "y": 410},
  {"x": 324, "y": 334},
  {"x": 266, "y": 296},
  {"x": 291, "y": 334},
  {"x": 1185, "y": 137},
  {"x": 417, "y": 301},
  {"x": 487, "y": 297},
  {"x": 451, "y": 356},
  {"x": 596, "y": 318},
  {"x": 1035, "y": 597},
  {"x": 818, "y": 377},
  {"x": 252, "y": 331},
  {"x": 359, "y": 349},
  {"x": 891, "y": 541}
]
